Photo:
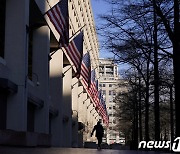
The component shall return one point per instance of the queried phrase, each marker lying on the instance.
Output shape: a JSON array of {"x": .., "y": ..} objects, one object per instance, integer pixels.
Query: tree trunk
[
  {"x": 140, "y": 114},
  {"x": 147, "y": 105},
  {"x": 156, "y": 79},
  {"x": 176, "y": 63}
]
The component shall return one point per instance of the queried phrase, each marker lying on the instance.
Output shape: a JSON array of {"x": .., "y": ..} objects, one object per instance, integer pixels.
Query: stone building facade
[{"x": 41, "y": 102}]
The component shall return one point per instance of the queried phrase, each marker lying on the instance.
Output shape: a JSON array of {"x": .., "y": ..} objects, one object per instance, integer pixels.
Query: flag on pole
[
  {"x": 86, "y": 68},
  {"x": 91, "y": 88},
  {"x": 59, "y": 17},
  {"x": 103, "y": 109},
  {"x": 75, "y": 51}
]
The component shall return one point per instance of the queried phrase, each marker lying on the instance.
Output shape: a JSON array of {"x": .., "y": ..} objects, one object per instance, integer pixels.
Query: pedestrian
[{"x": 99, "y": 133}]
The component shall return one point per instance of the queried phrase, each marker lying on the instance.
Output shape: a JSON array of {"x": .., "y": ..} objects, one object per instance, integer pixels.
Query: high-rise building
[{"x": 109, "y": 83}]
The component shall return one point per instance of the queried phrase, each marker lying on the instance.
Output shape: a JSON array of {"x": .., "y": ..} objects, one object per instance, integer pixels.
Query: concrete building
[
  {"x": 109, "y": 83},
  {"x": 41, "y": 102}
]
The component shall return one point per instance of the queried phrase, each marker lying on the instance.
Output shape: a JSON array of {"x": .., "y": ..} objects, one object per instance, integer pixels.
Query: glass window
[
  {"x": 104, "y": 85},
  {"x": 110, "y": 92},
  {"x": 104, "y": 92},
  {"x": 2, "y": 26},
  {"x": 110, "y": 85}
]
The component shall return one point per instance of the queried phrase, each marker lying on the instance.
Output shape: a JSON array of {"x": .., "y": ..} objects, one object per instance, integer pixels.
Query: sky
[{"x": 100, "y": 7}]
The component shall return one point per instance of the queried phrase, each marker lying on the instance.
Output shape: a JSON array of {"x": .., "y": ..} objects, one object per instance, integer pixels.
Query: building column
[
  {"x": 80, "y": 115},
  {"x": 40, "y": 73},
  {"x": 56, "y": 69},
  {"x": 89, "y": 117},
  {"x": 16, "y": 42},
  {"x": 75, "y": 112},
  {"x": 67, "y": 106}
]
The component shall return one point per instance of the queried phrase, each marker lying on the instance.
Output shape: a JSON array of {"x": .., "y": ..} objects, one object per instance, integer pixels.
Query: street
[{"x": 18, "y": 150}]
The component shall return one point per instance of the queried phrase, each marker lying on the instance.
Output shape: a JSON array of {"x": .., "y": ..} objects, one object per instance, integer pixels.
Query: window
[
  {"x": 114, "y": 121},
  {"x": 110, "y": 85},
  {"x": 104, "y": 92},
  {"x": 100, "y": 85},
  {"x": 114, "y": 92},
  {"x": 110, "y": 92},
  {"x": 2, "y": 26},
  {"x": 110, "y": 108},
  {"x": 104, "y": 85}
]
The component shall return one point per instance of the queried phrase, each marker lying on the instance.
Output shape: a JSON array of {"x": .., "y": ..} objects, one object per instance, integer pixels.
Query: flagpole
[
  {"x": 49, "y": 4},
  {"x": 85, "y": 100},
  {"x": 69, "y": 39},
  {"x": 67, "y": 70},
  {"x": 77, "y": 32}
]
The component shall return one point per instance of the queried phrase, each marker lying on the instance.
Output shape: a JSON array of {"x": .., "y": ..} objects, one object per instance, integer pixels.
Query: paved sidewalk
[{"x": 16, "y": 150}]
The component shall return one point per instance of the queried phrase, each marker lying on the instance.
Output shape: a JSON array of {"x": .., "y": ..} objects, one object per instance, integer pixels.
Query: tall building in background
[{"x": 109, "y": 83}]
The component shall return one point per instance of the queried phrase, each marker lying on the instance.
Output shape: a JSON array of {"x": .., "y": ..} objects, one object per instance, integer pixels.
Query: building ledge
[
  {"x": 52, "y": 111},
  {"x": 35, "y": 101},
  {"x": 8, "y": 85}
]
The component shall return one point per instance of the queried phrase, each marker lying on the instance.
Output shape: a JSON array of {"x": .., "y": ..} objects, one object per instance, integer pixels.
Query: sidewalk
[{"x": 17, "y": 150}]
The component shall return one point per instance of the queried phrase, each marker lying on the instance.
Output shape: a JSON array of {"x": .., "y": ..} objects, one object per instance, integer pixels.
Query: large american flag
[
  {"x": 86, "y": 68},
  {"x": 58, "y": 16},
  {"x": 75, "y": 51}
]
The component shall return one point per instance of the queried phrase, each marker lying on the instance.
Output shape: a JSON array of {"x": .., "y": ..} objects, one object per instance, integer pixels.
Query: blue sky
[{"x": 100, "y": 7}]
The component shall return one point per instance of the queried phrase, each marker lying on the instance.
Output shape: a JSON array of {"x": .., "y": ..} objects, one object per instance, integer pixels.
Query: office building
[
  {"x": 109, "y": 83},
  {"x": 42, "y": 103}
]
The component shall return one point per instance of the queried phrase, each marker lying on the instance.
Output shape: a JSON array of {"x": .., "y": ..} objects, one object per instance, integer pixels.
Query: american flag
[
  {"x": 103, "y": 109},
  {"x": 58, "y": 16},
  {"x": 92, "y": 91},
  {"x": 75, "y": 51},
  {"x": 86, "y": 68},
  {"x": 91, "y": 88}
]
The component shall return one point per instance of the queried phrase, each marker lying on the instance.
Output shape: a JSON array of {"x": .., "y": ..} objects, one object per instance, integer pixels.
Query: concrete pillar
[
  {"x": 75, "y": 112},
  {"x": 41, "y": 47},
  {"x": 67, "y": 106},
  {"x": 56, "y": 69},
  {"x": 17, "y": 17},
  {"x": 89, "y": 127},
  {"x": 81, "y": 106},
  {"x": 80, "y": 115}
]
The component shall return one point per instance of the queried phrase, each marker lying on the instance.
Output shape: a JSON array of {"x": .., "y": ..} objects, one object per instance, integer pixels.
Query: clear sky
[{"x": 100, "y": 7}]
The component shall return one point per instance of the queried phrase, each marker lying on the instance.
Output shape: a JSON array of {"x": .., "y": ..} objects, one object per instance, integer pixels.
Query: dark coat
[{"x": 99, "y": 130}]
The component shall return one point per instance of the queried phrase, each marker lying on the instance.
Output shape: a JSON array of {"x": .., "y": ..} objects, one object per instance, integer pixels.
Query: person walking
[{"x": 99, "y": 133}]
